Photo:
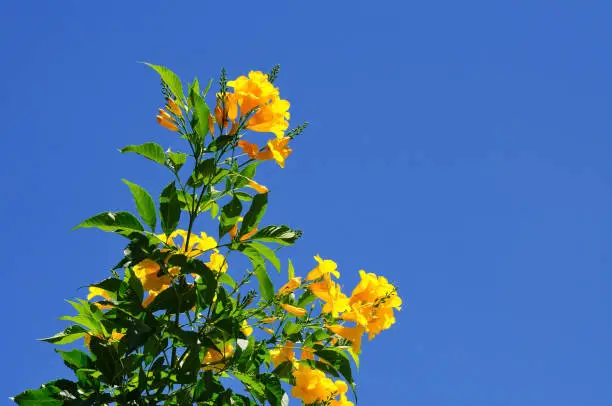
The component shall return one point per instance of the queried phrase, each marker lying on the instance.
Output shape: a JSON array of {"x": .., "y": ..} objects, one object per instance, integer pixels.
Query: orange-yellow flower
[
  {"x": 95, "y": 291},
  {"x": 282, "y": 354},
  {"x": 290, "y": 286},
  {"x": 246, "y": 329},
  {"x": 234, "y": 231},
  {"x": 217, "y": 263},
  {"x": 307, "y": 353},
  {"x": 311, "y": 385},
  {"x": 296, "y": 311},
  {"x": 114, "y": 337},
  {"x": 324, "y": 267},
  {"x": 268, "y": 320},
  {"x": 279, "y": 149},
  {"x": 249, "y": 148},
  {"x": 147, "y": 271},
  {"x": 267, "y": 330},
  {"x": 342, "y": 388},
  {"x": 170, "y": 124},
  {"x": 173, "y": 107},
  {"x": 215, "y": 360},
  {"x": 353, "y": 334},
  {"x": 372, "y": 304},
  {"x": 259, "y": 188},
  {"x": 329, "y": 291},
  {"x": 211, "y": 125}
]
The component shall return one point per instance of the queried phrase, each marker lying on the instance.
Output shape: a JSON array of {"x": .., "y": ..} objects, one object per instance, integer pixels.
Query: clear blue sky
[{"x": 460, "y": 148}]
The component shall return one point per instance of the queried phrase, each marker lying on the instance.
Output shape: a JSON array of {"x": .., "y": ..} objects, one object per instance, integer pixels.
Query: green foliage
[{"x": 144, "y": 204}]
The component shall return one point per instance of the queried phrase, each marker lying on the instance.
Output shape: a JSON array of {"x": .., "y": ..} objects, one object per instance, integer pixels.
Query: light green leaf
[
  {"x": 290, "y": 270},
  {"x": 170, "y": 78},
  {"x": 149, "y": 150},
  {"x": 144, "y": 204},
  {"x": 69, "y": 335},
  {"x": 268, "y": 253}
]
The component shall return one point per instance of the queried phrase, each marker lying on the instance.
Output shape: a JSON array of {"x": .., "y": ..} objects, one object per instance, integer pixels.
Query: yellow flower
[
  {"x": 268, "y": 320},
  {"x": 353, "y": 334},
  {"x": 279, "y": 150},
  {"x": 311, "y": 385},
  {"x": 197, "y": 244},
  {"x": 248, "y": 148},
  {"x": 282, "y": 354},
  {"x": 296, "y": 311},
  {"x": 246, "y": 329},
  {"x": 267, "y": 330},
  {"x": 329, "y": 291},
  {"x": 213, "y": 360},
  {"x": 342, "y": 388},
  {"x": 325, "y": 267},
  {"x": 166, "y": 120},
  {"x": 257, "y": 91},
  {"x": 95, "y": 291},
  {"x": 217, "y": 263},
  {"x": 173, "y": 107},
  {"x": 147, "y": 271},
  {"x": 211, "y": 125},
  {"x": 259, "y": 188},
  {"x": 307, "y": 353},
  {"x": 372, "y": 304},
  {"x": 290, "y": 286}
]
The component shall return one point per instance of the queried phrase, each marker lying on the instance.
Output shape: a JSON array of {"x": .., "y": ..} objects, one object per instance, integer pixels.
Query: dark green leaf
[
  {"x": 259, "y": 267},
  {"x": 219, "y": 143},
  {"x": 75, "y": 359},
  {"x": 282, "y": 235},
  {"x": 255, "y": 213},
  {"x": 149, "y": 150},
  {"x": 144, "y": 204},
  {"x": 247, "y": 174},
  {"x": 339, "y": 360},
  {"x": 170, "y": 209},
  {"x": 229, "y": 216},
  {"x": 110, "y": 221},
  {"x": 175, "y": 299}
]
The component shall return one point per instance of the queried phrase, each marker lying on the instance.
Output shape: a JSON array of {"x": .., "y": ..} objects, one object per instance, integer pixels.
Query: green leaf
[
  {"x": 219, "y": 142},
  {"x": 170, "y": 78},
  {"x": 290, "y": 270},
  {"x": 149, "y": 150},
  {"x": 69, "y": 335},
  {"x": 75, "y": 359},
  {"x": 247, "y": 174},
  {"x": 245, "y": 197},
  {"x": 255, "y": 213},
  {"x": 144, "y": 204},
  {"x": 229, "y": 216},
  {"x": 259, "y": 267},
  {"x": 282, "y": 235},
  {"x": 200, "y": 115},
  {"x": 273, "y": 389},
  {"x": 214, "y": 209},
  {"x": 170, "y": 209},
  {"x": 225, "y": 278},
  {"x": 175, "y": 160},
  {"x": 252, "y": 384},
  {"x": 205, "y": 91},
  {"x": 109, "y": 221},
  {"x": 203, "y": 173},
  {"x": 268, "y": 253},
  {"x": 339, "y": 360},
  {"x": 174, "y": 299},
  {"x": 58, "y": 392}
]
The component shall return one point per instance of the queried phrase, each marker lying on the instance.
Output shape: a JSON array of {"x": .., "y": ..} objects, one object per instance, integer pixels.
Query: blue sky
[{"x": 462, "y": 149}]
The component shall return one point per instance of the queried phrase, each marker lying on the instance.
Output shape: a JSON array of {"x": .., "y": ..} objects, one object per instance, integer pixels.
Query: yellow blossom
[
  {"x": 213, "y": 358},
  {"x": 173, "y": 107},
  {"x": 279, "y": 150},
  {"x": 329, "y": 291},
  {"x": 282, "y": 354},
  {"x": 95, "y": 291},
  {"x": 268, "y": 320},
  {"x": 307, "y": 353},
  {"x": 246, "y": 329},
  {"x": 324, "y": 267},
  {"x": 257, "y": 91},
  {"x": 147, "y": 271},
  {"x": 353, "y": 334},
  {"x": 296, "y": 311},
  {"x": 248, "y": 148},
  {"x": 290, "y": 286},
  {"x": 267, "y": 330},
  {"x": 311, "y": 385},
  {"x": 211, "y": 125},
  {"x": 164, "y": 122},
  {"x": 217, "y": 263},
  {"x": 259, "y": 188},
  {"x": 372, "y": 304}
]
